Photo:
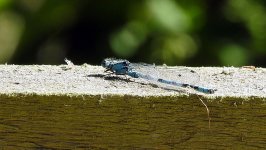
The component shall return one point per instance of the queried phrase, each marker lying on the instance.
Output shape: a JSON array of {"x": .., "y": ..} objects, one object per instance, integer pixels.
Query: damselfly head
[
  {"x": 104, "y": 64},
  {"x": 108, "y": 63}
]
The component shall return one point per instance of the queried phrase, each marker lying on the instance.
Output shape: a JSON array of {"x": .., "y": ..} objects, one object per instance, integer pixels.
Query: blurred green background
[{"x": 174, "y": 32}]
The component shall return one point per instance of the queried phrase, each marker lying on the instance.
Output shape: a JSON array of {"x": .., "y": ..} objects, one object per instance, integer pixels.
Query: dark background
[{"x": 174, "y": 32}]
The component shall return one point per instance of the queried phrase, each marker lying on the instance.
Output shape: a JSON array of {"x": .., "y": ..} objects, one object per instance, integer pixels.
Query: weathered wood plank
[{"x": 77, "y": 107}]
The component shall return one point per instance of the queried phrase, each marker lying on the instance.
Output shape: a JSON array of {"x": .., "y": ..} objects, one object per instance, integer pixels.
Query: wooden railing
[{"x": 80, "y": 107}]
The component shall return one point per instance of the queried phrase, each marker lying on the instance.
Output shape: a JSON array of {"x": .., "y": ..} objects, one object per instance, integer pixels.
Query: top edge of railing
[{"x": 230, "y": 82}]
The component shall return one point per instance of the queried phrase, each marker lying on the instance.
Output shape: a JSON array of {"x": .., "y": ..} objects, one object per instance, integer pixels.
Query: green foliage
[{"x": 231, "y": 32}]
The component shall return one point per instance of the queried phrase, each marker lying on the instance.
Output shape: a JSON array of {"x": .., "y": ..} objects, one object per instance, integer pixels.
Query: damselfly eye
[
  {"x": 125, "y": 63},
  {"x": 103, "y": 63}
]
